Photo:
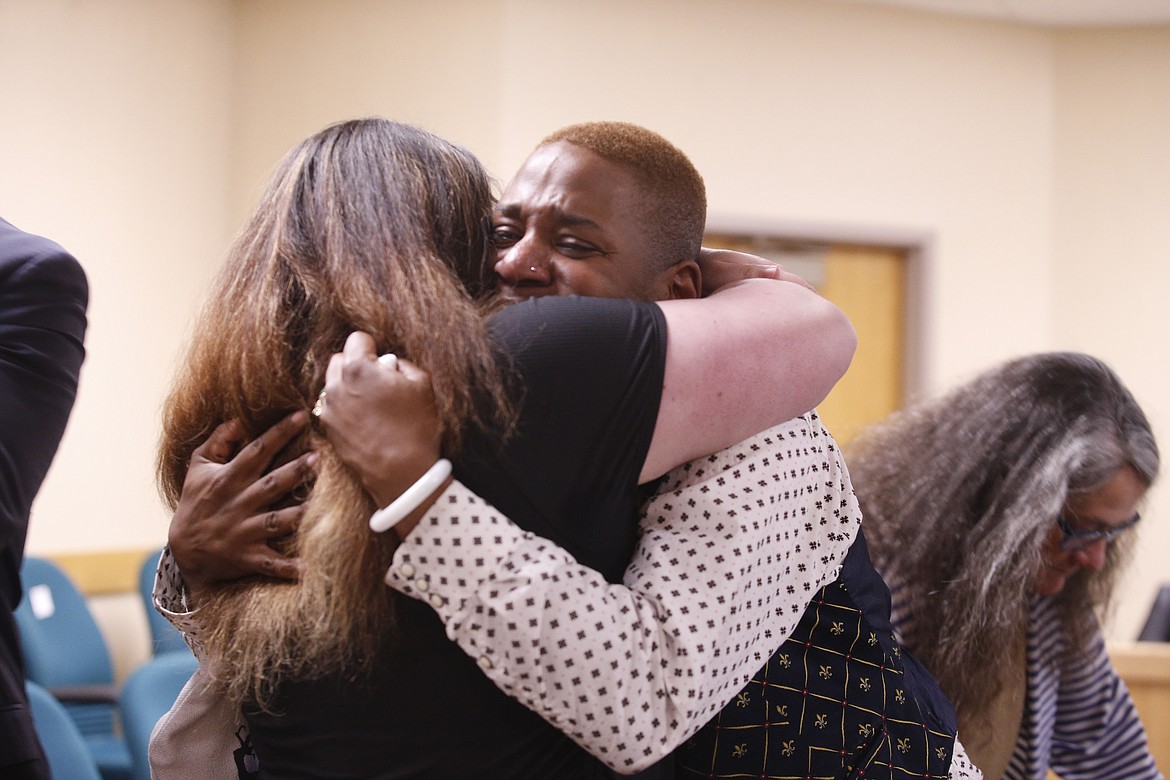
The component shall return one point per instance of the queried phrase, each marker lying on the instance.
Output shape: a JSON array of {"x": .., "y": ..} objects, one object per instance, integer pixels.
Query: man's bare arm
[{"x": 750, "y": 356}]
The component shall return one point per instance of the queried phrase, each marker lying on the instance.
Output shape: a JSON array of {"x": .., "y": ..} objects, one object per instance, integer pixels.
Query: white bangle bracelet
[{"x": 390, "y": 515}]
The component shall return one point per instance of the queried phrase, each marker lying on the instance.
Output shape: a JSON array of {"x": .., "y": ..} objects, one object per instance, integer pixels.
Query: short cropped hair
[{"x": 674, "y": 194}]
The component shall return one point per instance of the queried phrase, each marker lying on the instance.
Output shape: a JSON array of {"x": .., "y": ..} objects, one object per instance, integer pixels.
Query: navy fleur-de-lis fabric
[{"x": 839, "y": 699}]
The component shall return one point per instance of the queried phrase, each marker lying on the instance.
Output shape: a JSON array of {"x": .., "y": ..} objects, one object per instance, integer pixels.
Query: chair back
[
  {"x": 65, "y": 653},
  {"x": 61, "y": 641},
  {"x": 68, "y": 755}
]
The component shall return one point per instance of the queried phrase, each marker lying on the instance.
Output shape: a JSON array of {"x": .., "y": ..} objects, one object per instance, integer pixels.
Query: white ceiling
[{"x": 1059, "y": 13}]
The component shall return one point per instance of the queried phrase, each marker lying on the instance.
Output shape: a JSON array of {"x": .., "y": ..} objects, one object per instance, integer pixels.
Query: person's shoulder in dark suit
[
  {"x": 40, "y": 269},
  {"x": 43, "y": 298}
]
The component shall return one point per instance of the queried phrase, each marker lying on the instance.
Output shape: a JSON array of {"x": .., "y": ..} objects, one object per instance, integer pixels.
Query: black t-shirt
[{"x": 589, "y": 380}]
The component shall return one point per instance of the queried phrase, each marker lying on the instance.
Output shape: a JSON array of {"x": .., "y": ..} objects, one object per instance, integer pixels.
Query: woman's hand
[
  {"x": 381, "y": 419},
  {"x": 231, "y": 505}
]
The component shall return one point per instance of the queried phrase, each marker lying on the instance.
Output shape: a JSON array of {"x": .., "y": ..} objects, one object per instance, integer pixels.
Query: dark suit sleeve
[{"x": 43, "y": 299}]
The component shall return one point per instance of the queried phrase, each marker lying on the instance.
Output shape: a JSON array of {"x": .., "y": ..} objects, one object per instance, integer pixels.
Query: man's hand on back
[
  {"x": 725, "y": 267},
  {"x": 231, "y": 506}
]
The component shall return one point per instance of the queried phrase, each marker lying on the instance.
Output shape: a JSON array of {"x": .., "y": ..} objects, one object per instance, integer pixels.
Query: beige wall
[
  {"x": 303, "y": 64},
  {"x": 114, "y": 141},
  {"x": 137, "y": 132},
  {"x": 1111, "y": 233}
]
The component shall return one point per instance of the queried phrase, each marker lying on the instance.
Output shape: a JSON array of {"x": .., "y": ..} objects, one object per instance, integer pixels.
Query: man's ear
[{"x": 683, "y": 280}]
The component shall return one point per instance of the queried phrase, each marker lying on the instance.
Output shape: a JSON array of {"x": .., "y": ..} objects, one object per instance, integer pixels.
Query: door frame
[{"x": 916, "y": 244}]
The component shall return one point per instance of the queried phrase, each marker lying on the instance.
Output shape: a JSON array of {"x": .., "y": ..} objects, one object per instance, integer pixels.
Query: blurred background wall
[{"x": 1029, "y": 164}]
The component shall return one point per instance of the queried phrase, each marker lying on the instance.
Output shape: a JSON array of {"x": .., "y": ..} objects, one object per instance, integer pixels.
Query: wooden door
[{"x": 869, "y": 285}]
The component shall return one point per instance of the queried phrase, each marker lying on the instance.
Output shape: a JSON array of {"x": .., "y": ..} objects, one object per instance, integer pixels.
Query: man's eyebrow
[{"x": 514, "y": 211}]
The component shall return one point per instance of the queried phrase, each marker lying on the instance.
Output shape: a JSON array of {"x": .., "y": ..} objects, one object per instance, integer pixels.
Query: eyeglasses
[{"x": 1075, "y": 539}]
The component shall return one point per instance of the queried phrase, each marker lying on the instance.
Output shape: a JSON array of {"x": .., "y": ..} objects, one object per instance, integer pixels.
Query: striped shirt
[{"x": 1079, "y": 720}]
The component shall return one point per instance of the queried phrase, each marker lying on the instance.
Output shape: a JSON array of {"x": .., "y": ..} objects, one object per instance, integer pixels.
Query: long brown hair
[{"x": 367, "y": 225}]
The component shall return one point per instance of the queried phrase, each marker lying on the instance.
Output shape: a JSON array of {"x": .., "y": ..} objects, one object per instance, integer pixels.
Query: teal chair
[
  {"x": 147, "y": 694},
  {"x": 69, "y": 756},
  {"x": 65, "y": 653},
  {"x": 164, "y": 638}
]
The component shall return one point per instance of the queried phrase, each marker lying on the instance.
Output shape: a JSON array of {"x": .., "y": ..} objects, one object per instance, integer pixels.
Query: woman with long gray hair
[{"x": 1000, "y": 516}]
